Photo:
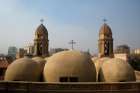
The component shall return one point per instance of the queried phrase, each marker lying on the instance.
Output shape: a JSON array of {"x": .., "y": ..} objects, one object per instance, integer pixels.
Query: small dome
[
  {"x": 94, "y": 59},
  {"x": 23, "y": 69},
  {"x": 116, "y": 70},
  {"x": 105, "y": 29},
  {"x": 98, "y": 63},
  {"x": 41, "y": 30},
  {"x": 46, "y": 58},
  {"x": 69, "y": 66},
  {"x": 137, "y": 74},
  {"x": 40, "y": 60}
]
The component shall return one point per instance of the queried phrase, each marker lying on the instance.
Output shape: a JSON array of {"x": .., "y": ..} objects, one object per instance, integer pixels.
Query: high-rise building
[
  {"x": 12, "y": 52},
  {"x": 105, "y": 41}
]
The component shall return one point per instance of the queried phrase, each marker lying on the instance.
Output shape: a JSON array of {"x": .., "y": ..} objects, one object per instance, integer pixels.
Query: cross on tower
[
  {"x": 41, "y": 20},
  {"x": 104, "y": 20},
  {"x": 72, "y": 43}
]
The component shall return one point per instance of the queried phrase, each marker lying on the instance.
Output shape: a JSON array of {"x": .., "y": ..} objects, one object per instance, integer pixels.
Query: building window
[
  {"x": 73, "y": 79},
  {"x": 63, "y": 79},
  {"x": 1, "y": 72},
  {"x": 68, "y": 79}
]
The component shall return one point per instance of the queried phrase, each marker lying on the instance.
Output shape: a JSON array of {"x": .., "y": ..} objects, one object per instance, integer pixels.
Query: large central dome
[{"x": 69, "y": 66}]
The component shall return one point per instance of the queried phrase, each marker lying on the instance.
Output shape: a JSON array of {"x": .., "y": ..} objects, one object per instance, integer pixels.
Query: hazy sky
[{"x": 65, "y": 20}]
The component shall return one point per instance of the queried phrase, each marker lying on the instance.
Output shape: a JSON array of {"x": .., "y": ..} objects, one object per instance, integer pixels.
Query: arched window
[{"x": 68, "y": 79}]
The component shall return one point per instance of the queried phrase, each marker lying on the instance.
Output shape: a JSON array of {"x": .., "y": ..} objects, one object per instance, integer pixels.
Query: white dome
[{"x": 69, "y": 65}]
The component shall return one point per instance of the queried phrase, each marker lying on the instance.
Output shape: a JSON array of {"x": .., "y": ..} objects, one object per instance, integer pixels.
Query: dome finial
[{"x": 42, "y": 21}]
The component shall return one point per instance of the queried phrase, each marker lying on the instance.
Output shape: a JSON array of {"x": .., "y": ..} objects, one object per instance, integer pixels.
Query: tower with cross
[
  {"x": 104, "y": 20},
  {"x": 42, "y": 21},
  {"x": 41, "y": 42},
  {"x": 105, "y": 42}
]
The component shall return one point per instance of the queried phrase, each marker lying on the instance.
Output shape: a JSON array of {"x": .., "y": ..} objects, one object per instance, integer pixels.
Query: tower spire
[
  {"x": 105, "y": 42},
  {"x": 41, "y": 42}
]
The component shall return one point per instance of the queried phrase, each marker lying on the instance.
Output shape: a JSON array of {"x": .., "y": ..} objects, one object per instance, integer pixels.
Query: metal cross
[
  {"x": 72, "y": 43},
  {"x": 41, "y": 20},
  {"x": 104, "y": 20}
]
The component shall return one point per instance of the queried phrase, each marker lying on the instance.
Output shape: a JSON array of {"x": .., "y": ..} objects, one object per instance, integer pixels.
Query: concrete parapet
[{"x": 82, "y": 87}]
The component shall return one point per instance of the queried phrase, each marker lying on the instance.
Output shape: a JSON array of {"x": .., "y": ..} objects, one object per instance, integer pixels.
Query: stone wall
[{"x": 38, "y": 87}]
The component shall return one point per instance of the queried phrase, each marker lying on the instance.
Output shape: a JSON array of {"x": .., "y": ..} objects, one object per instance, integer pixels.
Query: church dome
[
  {"x": 69, "y": 66},
  {"x": 116, "y": 70},
  {"x": 105, "y": 30},
  {"x": 46, "y": 58},
  {"x": 98, "y": 63},
  {"x": 24, "y": 69},
  {"x": 40, "y": 61},
  {"x": 94, "y": 59},
  {"x": 41, "y": 30}
]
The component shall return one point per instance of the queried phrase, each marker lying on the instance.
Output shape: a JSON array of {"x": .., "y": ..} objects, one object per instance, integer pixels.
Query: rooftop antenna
[{"x": 72, "y": 44}]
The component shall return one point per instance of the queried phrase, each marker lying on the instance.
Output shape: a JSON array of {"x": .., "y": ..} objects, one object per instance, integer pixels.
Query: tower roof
[
  {"x": 105, "y": 29},
  {"x": 41, "y": 29}
]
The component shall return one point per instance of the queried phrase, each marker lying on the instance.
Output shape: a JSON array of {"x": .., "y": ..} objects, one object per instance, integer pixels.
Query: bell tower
[
  {"x": 105, "y": 42},
  {"x": 41, "y": 42}
]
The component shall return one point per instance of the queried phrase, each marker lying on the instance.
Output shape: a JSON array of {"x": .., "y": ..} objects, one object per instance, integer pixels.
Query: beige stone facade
[
  {"x": 105, "y": 42},
  {"x": 41, "y": 42},
  {"x": 21, "y": 53},
  {"x": 36, "y": 87},
  {"x": 69, "y": 66},
  {"x": 122, "y": 56}
]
